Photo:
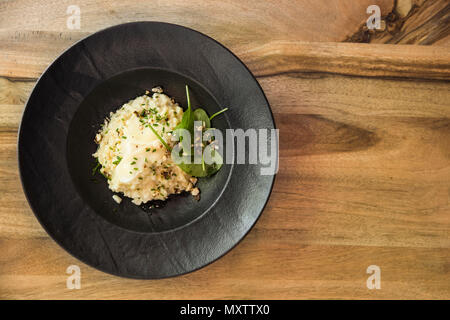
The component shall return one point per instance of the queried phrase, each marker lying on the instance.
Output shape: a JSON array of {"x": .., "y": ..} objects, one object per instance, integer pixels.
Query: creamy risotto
[{"x": 132, "y": 157}]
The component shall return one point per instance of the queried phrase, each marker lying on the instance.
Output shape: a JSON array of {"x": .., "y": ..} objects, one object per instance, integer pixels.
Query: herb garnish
[
  {"x": 187, "y": 122},
  {"x": 94, "y": 170},
  {"x": 217, "y": 113},
  {"x": 117, "y": 161},
  {"x": 160, "y": 139}
]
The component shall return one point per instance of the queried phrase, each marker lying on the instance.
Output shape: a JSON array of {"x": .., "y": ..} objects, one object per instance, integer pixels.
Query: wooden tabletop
[{"x": 364, "y": 119}]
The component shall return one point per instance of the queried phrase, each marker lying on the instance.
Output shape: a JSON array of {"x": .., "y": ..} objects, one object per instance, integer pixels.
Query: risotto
[{"x": 131, "y": 156}]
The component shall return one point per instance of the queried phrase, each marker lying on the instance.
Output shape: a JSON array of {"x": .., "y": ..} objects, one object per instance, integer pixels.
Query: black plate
[{"x": 71, "y": 99}]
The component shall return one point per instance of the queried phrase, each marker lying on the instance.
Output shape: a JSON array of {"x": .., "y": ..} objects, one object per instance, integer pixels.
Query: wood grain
[
  {"x": 364, "y": 167},
  {"x": 410, "y": 22},
  {"x": 270, "y": 58},
  {"x": 307, "y": 20},
  {"x": 426, "y": 22}
]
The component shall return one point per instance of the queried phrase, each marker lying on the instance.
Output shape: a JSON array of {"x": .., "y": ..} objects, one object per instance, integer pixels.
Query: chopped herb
[
  {"x": 160, "y": 139},
  {"x": 118, "y": 160},
  {"x": 94, "y": 170}
]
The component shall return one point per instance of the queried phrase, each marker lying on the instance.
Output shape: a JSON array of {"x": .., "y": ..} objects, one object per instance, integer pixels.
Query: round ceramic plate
[{"x": 70, "y": 101}]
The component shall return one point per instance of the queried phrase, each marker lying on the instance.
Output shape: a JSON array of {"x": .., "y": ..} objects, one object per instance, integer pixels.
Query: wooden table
[{"x": 364, "y": 173}]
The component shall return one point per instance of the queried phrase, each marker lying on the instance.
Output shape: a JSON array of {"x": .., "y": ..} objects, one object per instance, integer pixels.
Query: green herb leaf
[
  {"x": 197, "y": 170},
  {"x": 203, "y": 169},
  {"x": 217, "y": 113},
  {"x": 201, "y": 115},
  {"x": 187, "y": 122},
  {"x": 117, "y": 161},
  {"x": 160, "y": 139},
  {"x": 94, "y": 170}
]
